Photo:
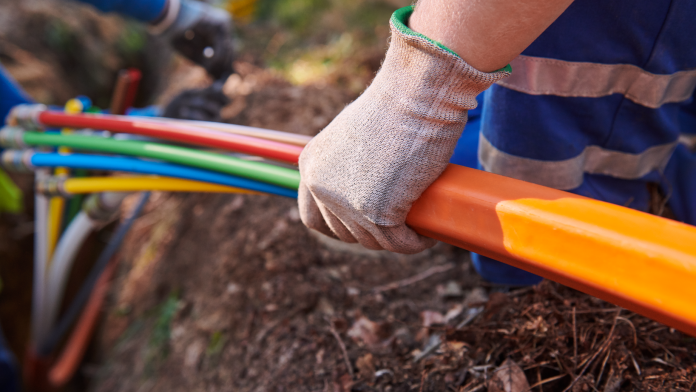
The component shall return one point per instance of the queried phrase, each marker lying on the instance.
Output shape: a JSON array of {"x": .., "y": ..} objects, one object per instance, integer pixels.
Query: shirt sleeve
[
  {"x": 143, "y": 10},
  {"x": 10, "y": 94}
]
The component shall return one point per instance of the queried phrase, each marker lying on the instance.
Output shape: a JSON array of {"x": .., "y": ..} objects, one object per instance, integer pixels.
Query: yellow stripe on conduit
[
  {"x": 639, "y": 261},
  {"x": 631, "y": 254}
]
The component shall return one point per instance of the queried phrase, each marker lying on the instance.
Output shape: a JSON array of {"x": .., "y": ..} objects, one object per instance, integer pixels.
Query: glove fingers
[
  {"x": 336, "y": 225},
  {"x": 403, "y": 239},
  {"x": 309, "y": 212}
]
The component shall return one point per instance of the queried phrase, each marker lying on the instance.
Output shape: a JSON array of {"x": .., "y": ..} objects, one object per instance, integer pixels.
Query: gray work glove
[
  {"x": 200, "y": 32},
  {"x": 362, "y": 173}
]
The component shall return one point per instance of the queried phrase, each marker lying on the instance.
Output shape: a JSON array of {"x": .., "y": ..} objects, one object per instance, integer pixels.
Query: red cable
[
  {"x": 134, "y": 76},
  {"x": 175, "y": 132}
]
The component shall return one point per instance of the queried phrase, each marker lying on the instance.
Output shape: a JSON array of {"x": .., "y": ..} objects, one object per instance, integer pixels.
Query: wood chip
[{"x": 508, "y": 377}]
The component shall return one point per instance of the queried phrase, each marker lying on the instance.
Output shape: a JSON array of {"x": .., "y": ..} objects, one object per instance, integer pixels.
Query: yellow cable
[
  {"x": 56, "y": 207},
  {"x": 144, "y": 183},
  {"x": 73, "y": 106}
]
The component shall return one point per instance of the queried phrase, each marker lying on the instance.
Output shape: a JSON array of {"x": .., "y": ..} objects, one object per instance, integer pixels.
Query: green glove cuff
[{"x": 399, "y": 19}]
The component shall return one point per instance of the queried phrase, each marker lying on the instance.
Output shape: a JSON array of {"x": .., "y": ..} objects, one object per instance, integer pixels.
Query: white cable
[
  {"x": 39, "y": 326},
  {"x": 268, "y": 134},
  {"x": 61, "y": 264}
]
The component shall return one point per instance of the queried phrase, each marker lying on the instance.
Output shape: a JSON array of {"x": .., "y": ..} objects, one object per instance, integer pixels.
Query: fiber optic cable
[
  {"x": 276, "y": 136},
  {"x": 97, "y": 210},
  {"x": 288, "y": 178},
  {"x": 76, "y": 345},
  {"x": 39, "y": 327},
  {"x": 75, "y": 202},
  {"x": 49, "y": 344},
  {"x": 61, "y": 263},
  {"x": 13, "y": 158},
  {"x": 77, "y": 186},
  {"x": 56, "y": 207},
  {"x": 175, "y": 132}
]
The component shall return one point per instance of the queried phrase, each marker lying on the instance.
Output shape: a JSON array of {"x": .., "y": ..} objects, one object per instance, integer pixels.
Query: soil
[{"x": 232, "y": 292}]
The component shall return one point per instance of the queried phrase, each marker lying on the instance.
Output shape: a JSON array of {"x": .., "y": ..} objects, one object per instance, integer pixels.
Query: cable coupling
[
  {"x": 12, "y": 137},
  {"x": 103, "y": 207},
  {"x": 52, "y": 186},
  {"x": 17, "y": 160},
  {"x": 26, "y": 116}
]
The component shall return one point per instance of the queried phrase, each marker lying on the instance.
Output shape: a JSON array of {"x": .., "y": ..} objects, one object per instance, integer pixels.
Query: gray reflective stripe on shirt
[
  {"x": 688, "y": 140},
  {"x": 542, "y": 76},
  {"x": 568, "y": 174}
]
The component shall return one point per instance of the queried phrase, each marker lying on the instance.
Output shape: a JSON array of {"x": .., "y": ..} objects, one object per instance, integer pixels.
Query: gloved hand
[
  {"x": 362, "y": 173},
  {"x": 200, "y": 105},
  {"x": 200, "y": 32}
]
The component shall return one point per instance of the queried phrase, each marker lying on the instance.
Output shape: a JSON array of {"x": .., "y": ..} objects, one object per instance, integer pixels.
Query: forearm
[{"x": 487, "y": 34}]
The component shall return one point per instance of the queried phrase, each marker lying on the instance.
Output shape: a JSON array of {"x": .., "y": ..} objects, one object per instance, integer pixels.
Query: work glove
[
  {"x": 363, "y": 172},
  {"x": 200, "y": 32},
  {"x": 200, "y": 105}
]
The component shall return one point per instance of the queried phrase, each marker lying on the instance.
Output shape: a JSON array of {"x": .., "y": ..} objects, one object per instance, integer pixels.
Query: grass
[
  {"x": 158, "y": 345},
  {"x": 317, "y": 41}
]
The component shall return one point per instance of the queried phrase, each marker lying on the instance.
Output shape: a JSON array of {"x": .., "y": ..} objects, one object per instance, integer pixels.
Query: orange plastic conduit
[
  {"x": 636, "y": 260},
  {"x": 65, "y": 366}
]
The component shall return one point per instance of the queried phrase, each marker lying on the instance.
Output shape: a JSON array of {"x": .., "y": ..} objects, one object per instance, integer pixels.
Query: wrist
[
  {"x": 419, "y": 65},
  {"x": 486, "y": 34},
  {"x": 404, "y": 19}
]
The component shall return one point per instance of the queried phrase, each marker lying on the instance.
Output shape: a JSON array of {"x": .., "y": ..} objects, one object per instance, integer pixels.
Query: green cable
[
  {"x": 10, "y": 195},
  {"x": 74, "y": 208},
  {"x": 75, "y": 202},
  {"x": 184, "y": 156}
]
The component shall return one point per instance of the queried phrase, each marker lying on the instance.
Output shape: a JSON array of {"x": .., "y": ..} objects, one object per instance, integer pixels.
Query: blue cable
[{"x": 101, "y": 162}]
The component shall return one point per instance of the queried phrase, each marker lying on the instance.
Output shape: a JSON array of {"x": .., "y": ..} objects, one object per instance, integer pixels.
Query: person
[
  {"x": 197, "y": 30},
  {"x": 597, "y": 101}
]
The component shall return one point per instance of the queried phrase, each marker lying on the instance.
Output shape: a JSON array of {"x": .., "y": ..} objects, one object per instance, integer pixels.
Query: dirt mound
[
  {"x": 231, "y": 292},
  {"x": 59, "y": 49}
]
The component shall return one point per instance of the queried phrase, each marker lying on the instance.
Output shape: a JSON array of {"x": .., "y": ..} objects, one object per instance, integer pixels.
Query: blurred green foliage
[
  {"x": 299, "y": 16},
  {"x": 311, "y": 21},
  {"x": 158, "y": 345},
  {"x": 310, "y": 40},
  {"x": 216, "y": 343},
  {"x": 10, "y": 196},
  {"x": 131, "y": 42},
  {"x": 161, "y": 331},
  {"x": 59, "y": 36}
]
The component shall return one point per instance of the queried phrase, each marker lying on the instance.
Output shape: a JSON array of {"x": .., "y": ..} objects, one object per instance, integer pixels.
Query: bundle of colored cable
[
  {"x": 48, "y": 345},
  {"x": 174, "y": 132},
  {"x": 30, "y": 159},
  {"x": 98, "y": 210},
  {"x": 180, "y": 167},
  {"x": 186, "y": 156}
]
